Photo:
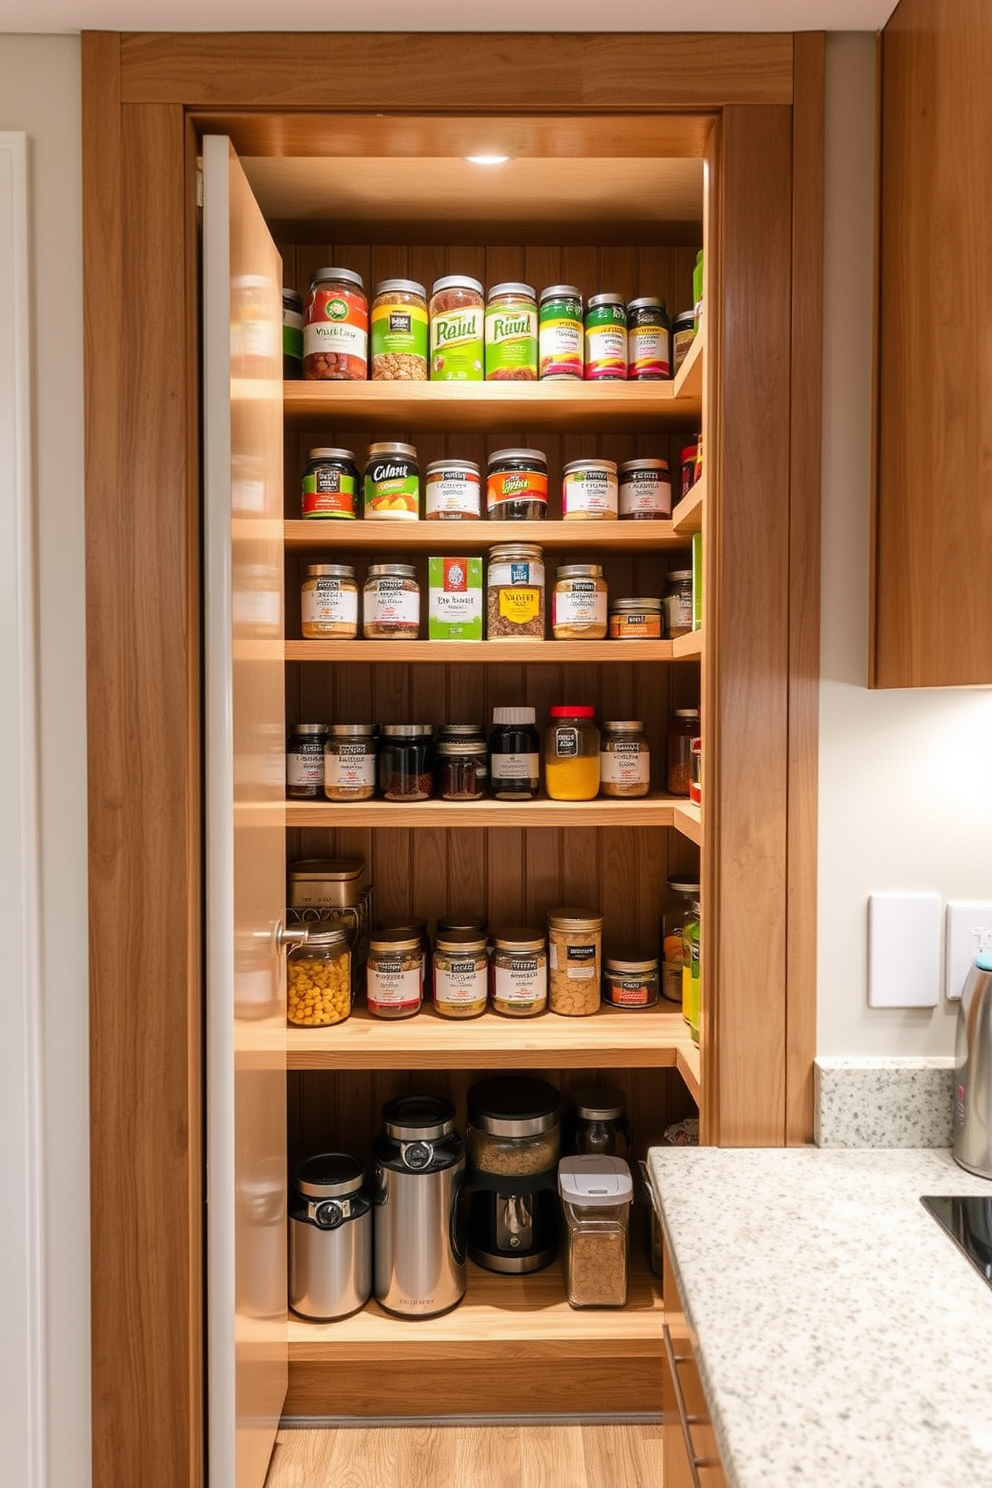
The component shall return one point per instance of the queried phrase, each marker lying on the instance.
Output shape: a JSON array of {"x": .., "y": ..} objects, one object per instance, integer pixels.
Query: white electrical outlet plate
[
  {"x": 969, "y": 930},
  {"x": 903, "y": 950}
]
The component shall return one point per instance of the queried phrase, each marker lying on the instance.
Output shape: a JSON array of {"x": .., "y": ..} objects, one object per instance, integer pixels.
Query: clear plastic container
[{"x": 596, "y": 1194}]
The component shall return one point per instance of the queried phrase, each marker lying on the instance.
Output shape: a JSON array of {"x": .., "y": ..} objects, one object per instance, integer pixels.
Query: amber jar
[
  {"x": 683, "y": 728},
  {"x": 399, "y": 331},
  {"x": 677, "y": 602},
  {"x": 349, "y": 762}
]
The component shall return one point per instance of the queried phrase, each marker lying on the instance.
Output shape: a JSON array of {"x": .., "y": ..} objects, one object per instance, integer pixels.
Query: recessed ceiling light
[{"x": 487, "y": 159}]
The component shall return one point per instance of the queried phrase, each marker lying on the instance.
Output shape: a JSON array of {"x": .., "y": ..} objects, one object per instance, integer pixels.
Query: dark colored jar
[
  {"x": 292, "y": 335},
  {"x": 406, "y": 760},
  {"x": 514, "y": 754},
  {"x": 305, "y": 761},
  {"x": 648, "y": 341},
  {"x": 517, "y": 485},
  {"x": 330, "y": 484},
  {"x": 462, "y": 769}
]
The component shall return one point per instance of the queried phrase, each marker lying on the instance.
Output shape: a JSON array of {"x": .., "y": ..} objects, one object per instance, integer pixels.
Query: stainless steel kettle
[{"x": 972, "y": 1114}]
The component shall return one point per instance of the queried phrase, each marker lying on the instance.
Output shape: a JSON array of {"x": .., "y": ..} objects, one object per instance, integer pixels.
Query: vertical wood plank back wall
[{"x": 144, "y": 96}]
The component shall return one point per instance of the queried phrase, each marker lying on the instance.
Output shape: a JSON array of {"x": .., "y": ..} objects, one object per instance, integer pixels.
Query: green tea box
[{"x": 455, "y": 599}]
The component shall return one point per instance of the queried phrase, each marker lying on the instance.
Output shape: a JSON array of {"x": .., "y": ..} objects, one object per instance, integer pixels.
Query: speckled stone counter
[{"x": 844, "y": 1341}]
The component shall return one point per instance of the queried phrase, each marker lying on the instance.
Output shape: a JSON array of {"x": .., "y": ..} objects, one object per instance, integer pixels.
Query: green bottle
[{"x": 691, "y": 972}]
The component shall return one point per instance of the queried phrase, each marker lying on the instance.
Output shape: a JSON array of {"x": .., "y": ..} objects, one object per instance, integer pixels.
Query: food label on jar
[
  {"x": 515, "y": 485},
  {"x": 391, "y": 602},
  {"x": 591, "y": 492},
  {"x": 648, "y": 352},
  {"x": 457, "y": 345},
  {"x": 628, "y": 994},
  {"x": 606, "y": 346},
  {"x": 389, "y": 986},
  {"x": 580, "y": 961},
  {"x": 399, "y": 342},
  {"x": 392, "y": 491},
  {"x": 645, "y": 492},
  {"x": 328, "y": 493},
  {"x": 305, "y": 766},
  {"x": 525, "y": 983},
  {"x": 514, "y": 766},
  {"x": 566, "y": 742},
  {"x": 324, "y": 601},
  {"x": 678, "y": 612},
  {"x": 460, "y": 983},
  {"x": 352, "y": 767},
  {"x": 511, "y": 344},
  {"x": 635, "y": 626},
  {"x": 671, "y": 981},
  {"x": 292, "y": 334},
  {"x": 560, "y": 344},
  {"x": 580, "y": 605},
  {"x": 626, "y": 764},
  {"x": 342, "y": 331},
  {"x": 454, "y": 493}
]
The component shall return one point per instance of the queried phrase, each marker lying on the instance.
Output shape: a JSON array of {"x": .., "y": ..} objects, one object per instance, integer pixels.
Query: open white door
[{"x": 245, "y": 816}]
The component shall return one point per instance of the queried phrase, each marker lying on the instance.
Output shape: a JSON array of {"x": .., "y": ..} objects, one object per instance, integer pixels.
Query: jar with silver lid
[
  {"x": 329, "y": 602},
  {"x": 349, "y": 762},
  {"x": 578, "y": 603},
  {"x": 599, "y": 1124},
  {"x": 518, "y": 974},
  {"x": 624, "y": 759},
  {"x": 648, "y": 340},
  {"x": 305, "y": 761},
  {"x": 462, "y": 768},
  {"x": 406, "y": 761},
  {"x": 453, "y": 491},
  {"x": 318, "y": 977},
  {"x": 391, "y": 603},
  {"x": 392, "y": 483}
]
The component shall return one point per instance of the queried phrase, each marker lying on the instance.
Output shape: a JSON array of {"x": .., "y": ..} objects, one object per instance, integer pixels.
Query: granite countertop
[{"x": 844, "y": 1341}]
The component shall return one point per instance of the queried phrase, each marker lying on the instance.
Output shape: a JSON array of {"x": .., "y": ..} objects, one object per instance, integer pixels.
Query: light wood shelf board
[
  {"x": 687, "y": 384},
  {"x": 435, "y": 537},
  {"x": 610, "y": 1039},
  {"x": 654, "y": 810},
  {"x": 688, "y": 647},
  {"x": 687, "y": 517},
  {"x": 688, "y": 819},
  {"x": 476, "y": 653},
  {"x": 688, "y": 1064}
]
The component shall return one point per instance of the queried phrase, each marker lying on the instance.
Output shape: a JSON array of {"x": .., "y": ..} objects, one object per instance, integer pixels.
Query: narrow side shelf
[
  {"x": 655, "y": 810},
  {"x": 688, "y": 819},
  {"x": 685, "y": 647},
  {"x": 687, "y": 517},
  {"x": 472, "y": 653},
  {"x": 432, "y": 537}
]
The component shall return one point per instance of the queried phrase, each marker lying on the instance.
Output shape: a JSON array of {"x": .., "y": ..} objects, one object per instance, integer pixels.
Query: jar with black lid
[
  {"x": 462, "y": 769},
  {"x": 330, "y": 484},
  {"x": 517, "y": 485},
  {"x": 292, "y": 335},
  {"x": 305, "y": 761},
  {"x": 648, "y": 335},
  {"x": 606, "y": 339},
  {"x": 406, "y": 761},
  {"x": 514, "y": 754}
]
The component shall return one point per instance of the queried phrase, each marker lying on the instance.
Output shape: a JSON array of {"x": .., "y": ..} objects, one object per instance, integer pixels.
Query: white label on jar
[
  {"x": 305, "y": 768},
  {"x": 340, "y": 337},
  {"x": 528, "y": 573},
  {"x": 678, "y": 611},
  {"x": 645, "y": 491},
  {"x": 389, "y": 600},
  {"x": 351, "y": 767},
  {"x": 451, "y": 491},
  {"x": 590, "y": 491},
  {"x": 326, "y": 600},
  {"x": 580, "y": 963},
  {"x": 526, "y": 982},
  {"x": 514, "y": 766},
  {"x": 462, "y": 983},
  {"x": 581, "y": 605},
  {"x": 389, "y": 987},
  {"x": 625, "y": 764}
]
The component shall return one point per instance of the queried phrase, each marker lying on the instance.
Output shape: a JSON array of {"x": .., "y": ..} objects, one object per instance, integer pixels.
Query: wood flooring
[{"x": 572, "y": 1456}]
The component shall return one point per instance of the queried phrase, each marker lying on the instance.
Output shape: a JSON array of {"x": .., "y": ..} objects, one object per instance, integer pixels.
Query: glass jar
[
  {"x": 457, "y": 345},
  {"x": 571, "y": 754},
  {"x": 578, "y": 603},
  {"x": 599, "y": 1126},
  {"x": 513, "y": 1127},
  {"x": 635, "y": 619},
  {"x": 517, "y": 485},
  {"x": 596, "y": 1194},
  {"x": 318, "y": 977},
  {"x": 460, "y": 974},
  {"x": 518, "y": 973},
  {"x": 329, "y": 602},
  {"x": 648, "y": 333},
  {"x": 683, "y": 335},
  {"x": 406, "y": 762},
  {"x": 575, "y": 941},
  {"x": 511, "y": 334},
  {"x": 330, "y": 485},
  {"x": 349, "y": 762},
  {"x": 514, "y": 754},
  {"x": 515, "y": 593},
  {"x": 462, "y": 769},
  {"x": 336, "y": 327},
  {"x": 688, "y": 467},
  {"x": 305, "y": 761},
  {"x": 391, "y": 603},
  {"x": 399, "y": 331},
  {"x": 606, "y": 339},
  {"x": 696, "y": 780},
  {"x": 683, "y": 893},
  {"x": 292, "y": 335},
  {"x": 630, "y": 982},
  {"x": 394, "y": 973},
  {"x": 645, "y": 491},
  {"x": 560, "y": 334},
  {"x": 392, "y": 483},
  {"x": 589, "y": 491},
  {"x": 691, "y": 970},
  {"x": 453, "y": 491},
  {"x": 624, "y": 759},
  {"x": 683, "y": 728},
  {"x": 677, "y": 602}
]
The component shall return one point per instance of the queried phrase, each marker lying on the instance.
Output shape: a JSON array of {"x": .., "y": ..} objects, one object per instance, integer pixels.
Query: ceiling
[{"x": 444, "y": 15}]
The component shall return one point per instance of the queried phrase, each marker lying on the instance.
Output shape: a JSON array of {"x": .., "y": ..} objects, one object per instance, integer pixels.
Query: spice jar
[
  {"x": 462, "y": 769},
  {"x": 596, "y": 1193},
  {"x": 392, "y": 483},
  {"x": 391, "y": 603},
  {"x": 688, "y": 466},
  {"x": 318, "y": 977},
  {"x": 399, "y": 331},
  {"x": 517, "y": 485},
  {"x": 329, "y": 602},
  {"x": 575, "y": 938},
  {"x": 453, "y": 491},
  {"x": 518, "y": 974},
  {"x": 571, "y": 754},
  {"x": 606, "y": 339},
  {"x": 515, "y": 592},
  {"x": 406, "y": 759},
  {"x": 336, "y": 327},
  {"x": 560, "y": 334},
  {"x": 460, "y": 974},
  {"x": 292, "y": 335},
  {"x": 684, "y": 892},
  {"x": 645, "y": 491},
  {"x": 624, "y": 759},
  {"x": 394, "y": 972},
  {"x": 599, "y": 1126},
  {"x": 578, "y": 603},
  {"x": 330, "y": 484},
  {"x": 648, "y": 332},
  {"x": 305, "y": 761},
  {"x": 683, "y": 728},
  {"x": 630, "y": 982},
  {"x": 683, "y": 335},
  {"x": 511, "y": 334},
  {"x": 457, "y": 311},
  {"x": 589, "y": 491},
  {"x": 349, "y": 762},
  {"x": 514, "y": 754},
  {"x": 635, "y": 620},
  {"x": 677, "y": 602}
]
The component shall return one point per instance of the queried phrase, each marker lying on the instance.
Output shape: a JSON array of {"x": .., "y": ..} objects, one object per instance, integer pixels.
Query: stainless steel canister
[
  {"x": 419, "y": 1240},
  {"x": 330, "y": 1237}
]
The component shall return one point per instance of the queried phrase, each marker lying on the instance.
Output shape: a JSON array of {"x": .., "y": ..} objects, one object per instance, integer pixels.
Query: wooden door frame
[{"x": 143, "y": 622}]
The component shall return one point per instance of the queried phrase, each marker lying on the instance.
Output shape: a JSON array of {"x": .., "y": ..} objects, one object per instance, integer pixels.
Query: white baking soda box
[{"x": 455, "y": 599}]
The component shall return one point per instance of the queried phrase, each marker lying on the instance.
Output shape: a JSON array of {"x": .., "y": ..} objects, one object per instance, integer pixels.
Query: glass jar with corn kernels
[{"x": 318, "y": 978}]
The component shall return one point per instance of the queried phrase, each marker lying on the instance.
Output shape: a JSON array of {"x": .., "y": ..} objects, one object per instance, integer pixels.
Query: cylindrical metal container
[{"x": 330, "y": 1237}]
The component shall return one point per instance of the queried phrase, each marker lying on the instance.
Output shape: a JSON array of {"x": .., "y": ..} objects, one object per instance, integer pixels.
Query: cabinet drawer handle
[{"x": 686, "y": 1422}]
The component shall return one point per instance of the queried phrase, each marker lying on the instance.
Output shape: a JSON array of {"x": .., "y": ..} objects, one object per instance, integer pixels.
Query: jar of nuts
[
  {"x": 318, "y": 978},
  {"x": 575, "y": 941},
  {"x": 336, "y": 328},
  {"x": 399, "y": 331}
]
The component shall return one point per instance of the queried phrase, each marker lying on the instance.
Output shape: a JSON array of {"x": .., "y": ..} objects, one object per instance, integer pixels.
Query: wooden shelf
[
  {"x": 687, "y": 517},
  {"x": 688, "y": 819},
  {"x": 474, "y": 653},
  {"x": 500, "y": 1318},
  {"x": 435, "y": 537},
  {"x": 687, "y": 647},
  {"x": 654, "y": 810}
]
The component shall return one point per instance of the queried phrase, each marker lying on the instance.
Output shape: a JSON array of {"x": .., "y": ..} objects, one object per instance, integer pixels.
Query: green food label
[
  {"x": 511, "y": 343},
  {"x": 399, "y": 330},
  {"x": 457, "y": 347}
]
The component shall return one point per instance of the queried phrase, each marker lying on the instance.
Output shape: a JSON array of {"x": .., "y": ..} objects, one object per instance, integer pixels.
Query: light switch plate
[
  {"x": 969, "y": 930},
  {"x": 903, "y": 950}
]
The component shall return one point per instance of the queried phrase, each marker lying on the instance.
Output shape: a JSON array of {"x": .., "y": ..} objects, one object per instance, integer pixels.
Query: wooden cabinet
[{"x": 691, "y": 1453}]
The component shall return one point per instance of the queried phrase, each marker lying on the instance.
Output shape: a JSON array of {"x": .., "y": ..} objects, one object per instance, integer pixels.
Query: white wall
[
  {"x": 905, "y": 776},
  {"x": 40, "y": 94}
]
